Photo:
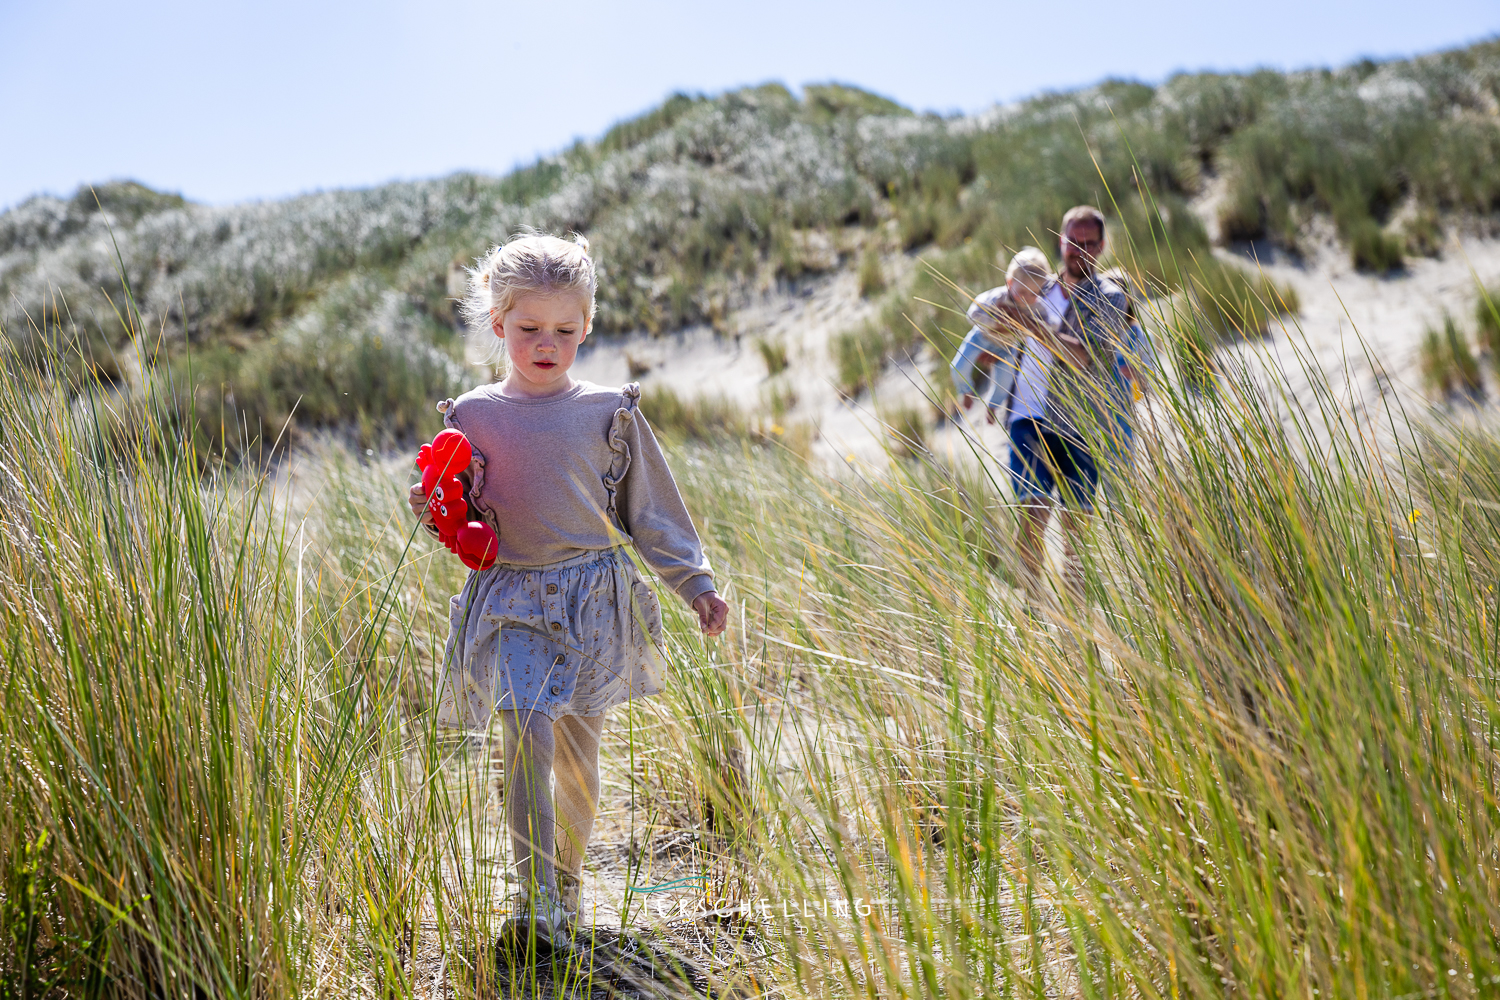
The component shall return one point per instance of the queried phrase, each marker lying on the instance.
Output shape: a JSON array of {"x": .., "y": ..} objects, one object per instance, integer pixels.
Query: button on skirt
[{"x": 571, "y": 638}]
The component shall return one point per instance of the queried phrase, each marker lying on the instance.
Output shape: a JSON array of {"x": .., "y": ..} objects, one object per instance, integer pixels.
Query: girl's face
[
  {"x": 542, "y": 333},
  {"x": 1021, "y": 292}
]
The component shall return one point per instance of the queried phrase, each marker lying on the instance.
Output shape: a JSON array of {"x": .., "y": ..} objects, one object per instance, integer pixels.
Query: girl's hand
[
  {"x": 713, "y": 613},
  {"x": 418, "y": 500}
]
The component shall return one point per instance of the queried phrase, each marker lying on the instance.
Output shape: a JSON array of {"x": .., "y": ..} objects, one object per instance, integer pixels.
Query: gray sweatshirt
[{"x": 578, "y": 472}]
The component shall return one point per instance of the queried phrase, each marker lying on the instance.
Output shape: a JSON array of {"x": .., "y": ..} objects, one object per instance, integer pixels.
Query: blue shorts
[{"x": 1041, "y": 462}]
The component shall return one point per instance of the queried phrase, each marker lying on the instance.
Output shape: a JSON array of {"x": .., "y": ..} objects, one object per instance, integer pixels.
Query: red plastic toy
[{"x": 473, "y": 541}]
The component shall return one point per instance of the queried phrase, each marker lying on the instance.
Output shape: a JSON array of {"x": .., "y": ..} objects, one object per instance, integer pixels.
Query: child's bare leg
[
  {"x": 528, "y": 799},
  {"x": 576, "y": 795}
]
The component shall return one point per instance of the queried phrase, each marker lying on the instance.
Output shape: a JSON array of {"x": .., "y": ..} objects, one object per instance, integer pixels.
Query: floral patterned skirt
[{"x": 571, "y": 638}]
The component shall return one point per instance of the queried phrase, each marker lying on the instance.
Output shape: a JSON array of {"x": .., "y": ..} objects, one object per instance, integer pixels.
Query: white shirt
[
  {"x": 1030, "y": 399},
  {"x": 1053, "y": 304}
]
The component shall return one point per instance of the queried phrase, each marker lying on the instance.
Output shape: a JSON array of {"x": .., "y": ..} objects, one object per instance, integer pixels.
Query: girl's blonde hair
[
  {"x": 529, "y": 262},
  {"x": 1031, "y": 266}
]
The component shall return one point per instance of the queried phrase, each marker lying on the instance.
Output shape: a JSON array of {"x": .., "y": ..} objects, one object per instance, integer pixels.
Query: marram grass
[
  {"x": 1258, "y": 761},
  {"x": 1261, "y": 763},
  {"x": 217, "y": 779}
]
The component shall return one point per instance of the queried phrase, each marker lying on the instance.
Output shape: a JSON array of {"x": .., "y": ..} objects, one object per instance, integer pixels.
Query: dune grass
[
  {"x": 1487, "y": 320},
  {"x": 871, "y": 274},
  {"x": 703, "y": 417},
  {"x": 773, "y": 352},
  {"x": 1449, "y": 368},
  {"x": 1259, "y": 760}
]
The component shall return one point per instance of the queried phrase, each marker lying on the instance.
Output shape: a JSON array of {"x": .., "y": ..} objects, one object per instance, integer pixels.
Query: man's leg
[
  {"x": 1073, "y": 523},
  {"x": 1031, "y": 478},
  {"x": 1079, "y": 481},
  {"x": 1031, "y": 545}
]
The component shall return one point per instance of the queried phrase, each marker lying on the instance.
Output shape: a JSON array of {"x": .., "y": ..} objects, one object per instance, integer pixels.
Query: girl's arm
[
  {"x": 984, "y": 311},
  {"x": 417, "y": 498},
  {"x": 1069, "y": 342},
  {"x": 713, "y": 613},
  {"x": 651, "y": 511}
]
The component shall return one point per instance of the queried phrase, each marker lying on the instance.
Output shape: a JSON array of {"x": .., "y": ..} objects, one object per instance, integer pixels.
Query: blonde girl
[{"x": 562, "y": 627}]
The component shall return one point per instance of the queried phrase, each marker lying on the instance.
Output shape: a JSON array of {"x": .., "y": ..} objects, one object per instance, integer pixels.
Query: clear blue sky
[{"x": 231, "y": 100}]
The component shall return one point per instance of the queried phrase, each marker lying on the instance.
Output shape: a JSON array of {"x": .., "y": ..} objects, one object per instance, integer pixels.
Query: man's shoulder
[
  {"x": 1105, "y": 297},
  {"x": 1109, "y": 289}
]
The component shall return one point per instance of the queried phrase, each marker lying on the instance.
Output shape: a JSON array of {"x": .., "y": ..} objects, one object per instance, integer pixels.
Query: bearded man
[{"x": 1070, "y": 408}]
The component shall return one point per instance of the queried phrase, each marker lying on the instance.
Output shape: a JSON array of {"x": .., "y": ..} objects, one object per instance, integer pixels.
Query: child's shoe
[
  {"x": 538, "y": 926},
  {"x": 569, "y": 895}
]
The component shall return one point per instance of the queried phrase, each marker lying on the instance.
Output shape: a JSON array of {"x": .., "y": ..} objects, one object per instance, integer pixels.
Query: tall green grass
[
  {"x": 1449, "y": 369},
  {"x": 703, "y": 416},
  {"x": 1487, "y": 319},
  {"x": 1259, "y": 759},
  {"x": 217, "y": 777}
]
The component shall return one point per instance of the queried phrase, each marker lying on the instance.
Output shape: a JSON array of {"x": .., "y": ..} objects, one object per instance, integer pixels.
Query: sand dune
[{"x": 1362, "y": 331}]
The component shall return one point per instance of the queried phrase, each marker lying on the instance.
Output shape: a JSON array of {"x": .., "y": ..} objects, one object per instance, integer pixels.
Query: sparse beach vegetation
[
  {"x": 1259, "y": 756},
  {"x": 871, "y": 274},
  {"x": 705, "y": 201},
  {"x": 706, "y": 418},
  {"x": 1449, "y": 369},
  {"x": 773, "y": 353},
  {"x": 1487, "y": 320},
  {"x": 1259, "y": 760}
]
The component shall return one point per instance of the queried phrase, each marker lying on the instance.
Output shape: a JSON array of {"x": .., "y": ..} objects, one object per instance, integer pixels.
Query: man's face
[{"x": 1082, "y": 243}]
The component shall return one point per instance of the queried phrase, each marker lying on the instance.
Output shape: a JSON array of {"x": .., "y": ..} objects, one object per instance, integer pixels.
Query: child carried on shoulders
[{"x": 1029, "y": 304}]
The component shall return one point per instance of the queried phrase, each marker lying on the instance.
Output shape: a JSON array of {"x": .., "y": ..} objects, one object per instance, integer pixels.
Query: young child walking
[{"x": 561, "y": 627}]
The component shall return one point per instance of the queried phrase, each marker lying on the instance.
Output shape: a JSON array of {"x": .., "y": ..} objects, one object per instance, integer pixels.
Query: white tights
[{"x": 548, "y": 830}]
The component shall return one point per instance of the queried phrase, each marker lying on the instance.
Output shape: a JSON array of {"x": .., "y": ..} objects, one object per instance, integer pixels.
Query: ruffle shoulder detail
[
  {"x": 449, "y": 410},
  {"x": 619, "y": 465}
]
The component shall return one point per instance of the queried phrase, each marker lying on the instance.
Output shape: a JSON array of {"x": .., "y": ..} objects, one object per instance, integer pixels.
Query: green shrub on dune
[
  {"x": 363, "y": 358},
  {"x": 1487, "y": 318},
  {"x": 1449, "y": 368},
  {"x": 1236, "y": 303},
  {"x": 1373, "y": 249},
  {"x": 703, "y": 203},
  {"x": 703, "y": 418}
]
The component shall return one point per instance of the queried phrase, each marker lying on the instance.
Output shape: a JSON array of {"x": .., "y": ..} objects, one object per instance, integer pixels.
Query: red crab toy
[{"x": 473, "y": 541}]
